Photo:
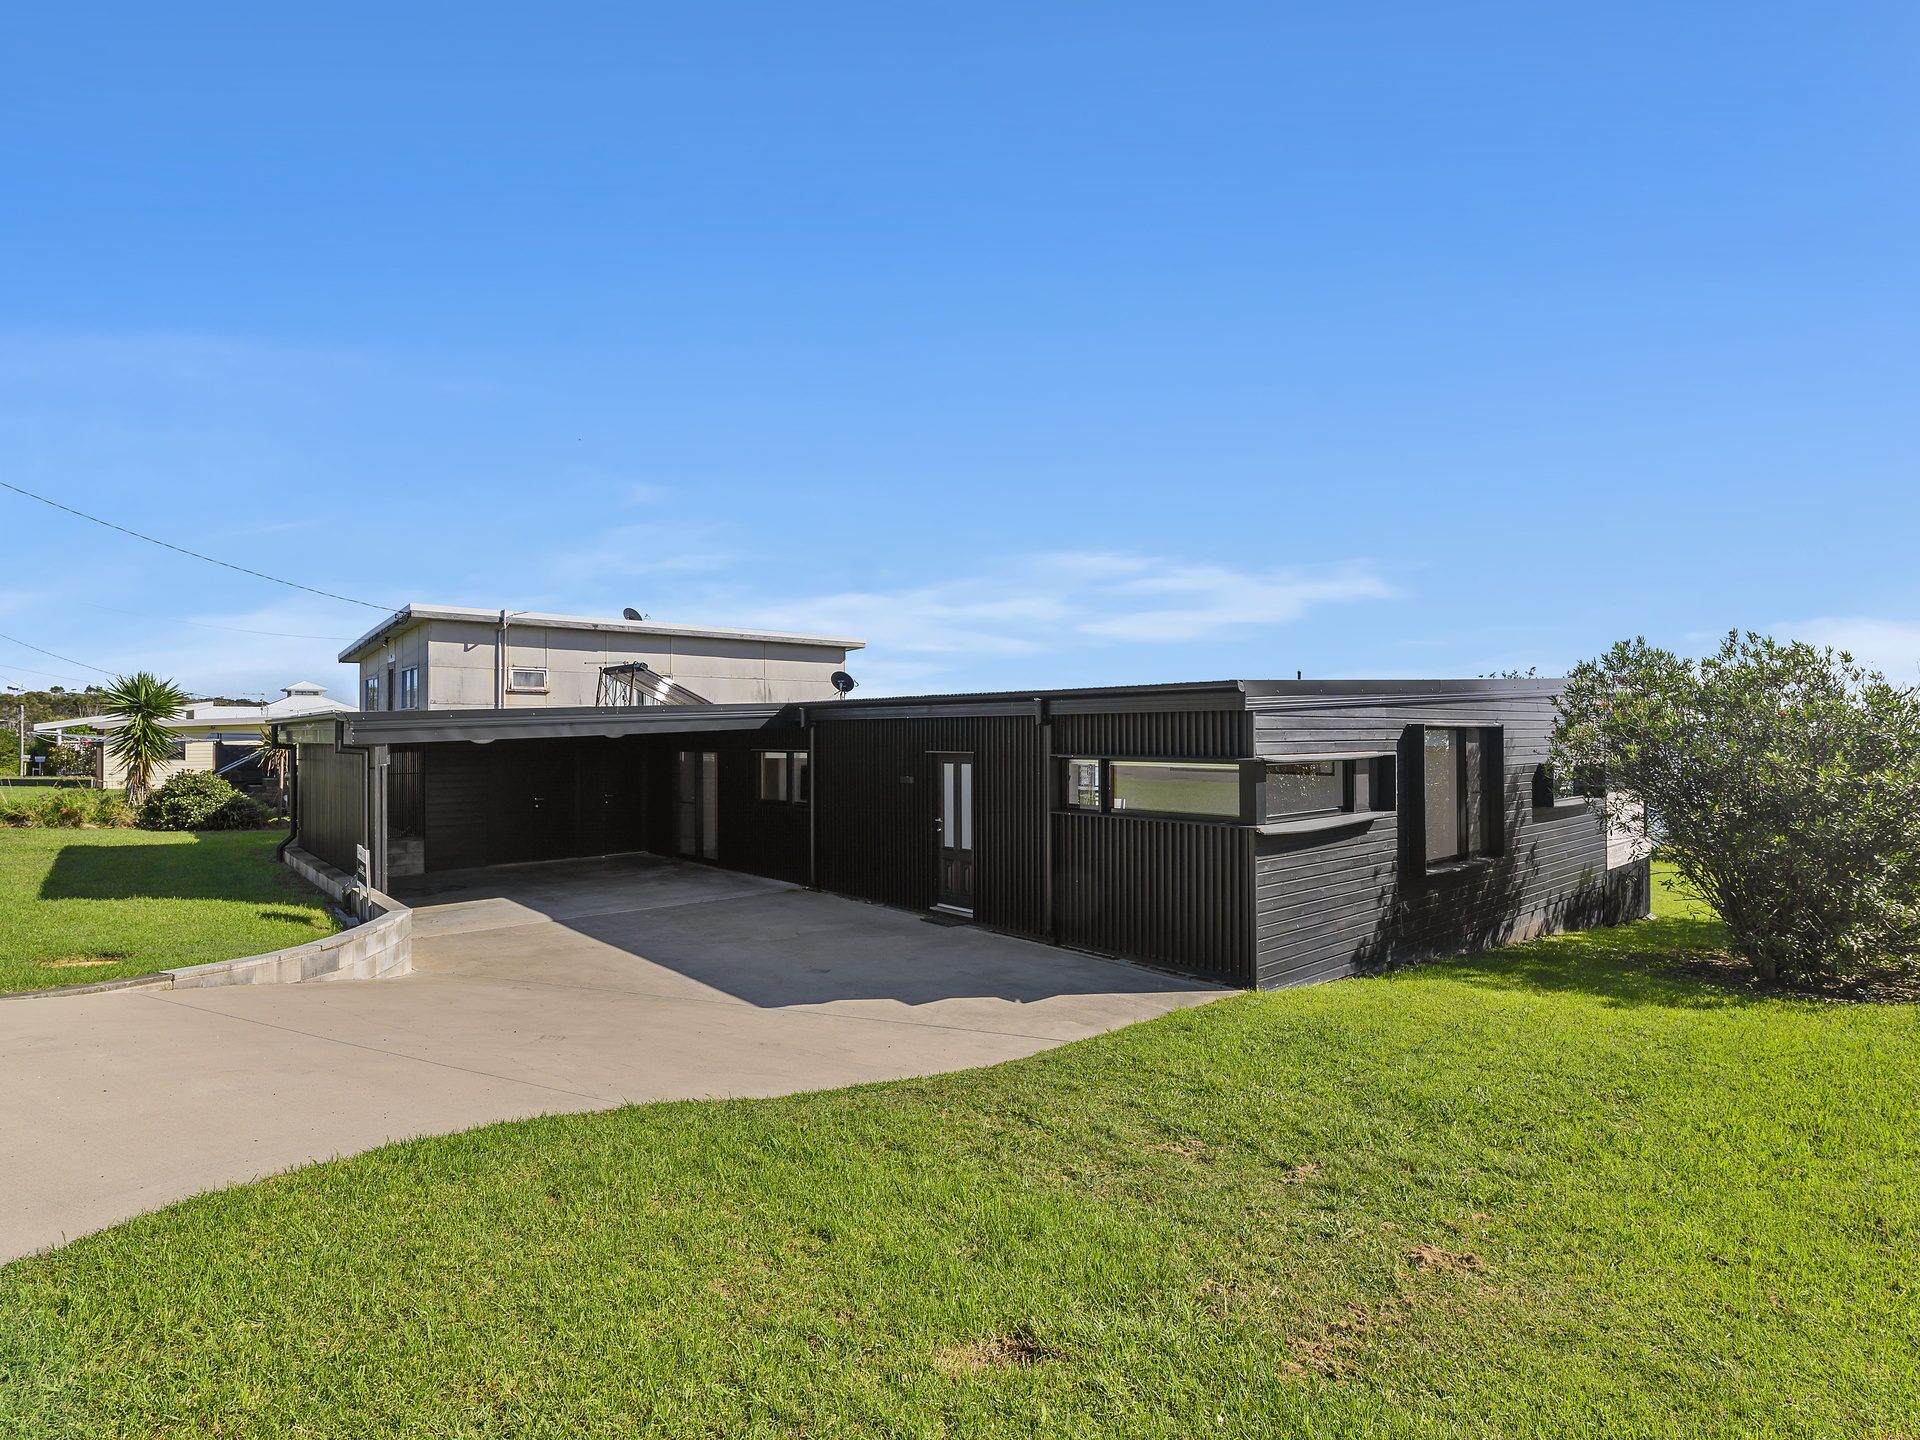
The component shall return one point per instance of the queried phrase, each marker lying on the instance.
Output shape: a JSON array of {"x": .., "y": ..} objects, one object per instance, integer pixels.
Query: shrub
[
  {"x": 63, "y": 809},
  {"x": 242, "y": 812},
  {"x": 196, "y": 800},
  {"x": 20, "y": 813},
  {"x": 69, "y": 760},
  {"x": 1782, "y": 780}
]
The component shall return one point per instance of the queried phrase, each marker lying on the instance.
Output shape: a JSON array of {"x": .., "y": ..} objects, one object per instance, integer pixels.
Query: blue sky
[{"x": 1039, "y": 345}]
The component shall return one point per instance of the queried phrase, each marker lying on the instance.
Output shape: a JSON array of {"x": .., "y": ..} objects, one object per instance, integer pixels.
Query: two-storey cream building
[{"x": 450, "y": 657}]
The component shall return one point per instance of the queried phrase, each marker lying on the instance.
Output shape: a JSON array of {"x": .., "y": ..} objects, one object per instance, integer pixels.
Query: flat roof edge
[{"x": 408, "y": 615}]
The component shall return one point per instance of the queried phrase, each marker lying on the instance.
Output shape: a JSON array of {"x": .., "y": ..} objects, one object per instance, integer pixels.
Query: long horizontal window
[
  {"x": 1172, "y": 787},
  {"x": 1252, "y": 791}
]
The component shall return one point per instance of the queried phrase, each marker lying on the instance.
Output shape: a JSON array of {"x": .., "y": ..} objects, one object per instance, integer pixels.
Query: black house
[{"x": 1258, "y": 833}]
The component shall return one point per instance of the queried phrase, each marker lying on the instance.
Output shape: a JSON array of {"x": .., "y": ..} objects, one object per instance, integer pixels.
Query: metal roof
[{"x": 409, "y": 615}]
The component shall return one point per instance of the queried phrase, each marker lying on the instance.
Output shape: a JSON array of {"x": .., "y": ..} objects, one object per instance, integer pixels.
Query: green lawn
[
  {"x": 78, "y": 906},
  {"x": 1563, "y": 1190}
]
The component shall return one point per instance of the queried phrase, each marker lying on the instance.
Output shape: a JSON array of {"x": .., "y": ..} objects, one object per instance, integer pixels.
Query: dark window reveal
[
  {"x": 1455, "y": 794},
  {"x": 1305, "y": 787}
]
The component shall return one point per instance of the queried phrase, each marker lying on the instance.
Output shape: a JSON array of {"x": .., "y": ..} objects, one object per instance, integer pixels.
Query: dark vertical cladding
[
  {"x": 874, "y": 784},
  {"x": 1164, "y": 735},
  {"x": 522, "y": 800},
  {"x": 333, "y": 802},
  {"x": 1168, "y": 892},
  {"x": 456, "y": 805}
]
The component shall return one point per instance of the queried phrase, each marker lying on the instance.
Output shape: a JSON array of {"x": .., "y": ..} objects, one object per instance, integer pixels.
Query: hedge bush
[
  {"x": 66, "y": 808},
  {"x": 197, "y": 800}
]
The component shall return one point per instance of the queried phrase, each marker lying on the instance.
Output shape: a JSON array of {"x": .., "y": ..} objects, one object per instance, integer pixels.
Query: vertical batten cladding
[
  {"x": 1156, "y": 735},
  {"x": 1326, "y": 907},
  {"x": 874, "y": 783},
  {"x": 333, "y": 802},
  {"x": 1176, "y": 893}
]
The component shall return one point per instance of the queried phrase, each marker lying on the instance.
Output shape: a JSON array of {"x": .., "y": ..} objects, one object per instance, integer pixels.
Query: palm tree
[
  {"x": 272, "y": 760},
  {"x": 143, "y": 704}
]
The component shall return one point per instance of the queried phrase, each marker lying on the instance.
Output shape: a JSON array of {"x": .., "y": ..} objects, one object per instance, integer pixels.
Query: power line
[
  {"x": 49, "y": 674},
  {"x": 195, "y": 554},
  {"x": 68, "y": 658}
]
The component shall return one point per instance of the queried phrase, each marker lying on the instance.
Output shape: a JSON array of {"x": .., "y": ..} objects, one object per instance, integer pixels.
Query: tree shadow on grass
[
  {"x": 160, "y": 872},
  {"x": 1677, "y": 962}
]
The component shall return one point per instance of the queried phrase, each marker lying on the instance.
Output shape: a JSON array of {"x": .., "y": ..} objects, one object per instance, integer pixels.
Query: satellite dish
[
  {"x": 632, "y": 614},
  {"x": 842, "y": 681}
]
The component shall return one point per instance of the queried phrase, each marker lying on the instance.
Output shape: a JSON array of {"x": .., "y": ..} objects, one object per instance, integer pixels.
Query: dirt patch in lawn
[
  {"x": 996, "y": 1352},
  {"x": 82, "y": 962},
  {"x": 1433, "y": 1260}
]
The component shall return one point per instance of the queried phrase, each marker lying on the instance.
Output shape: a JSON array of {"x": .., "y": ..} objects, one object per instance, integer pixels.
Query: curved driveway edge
[{"x": 557, "y": 988}]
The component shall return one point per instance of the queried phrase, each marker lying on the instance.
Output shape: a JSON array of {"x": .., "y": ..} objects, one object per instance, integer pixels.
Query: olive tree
[{"x": 1782, "y": 780}]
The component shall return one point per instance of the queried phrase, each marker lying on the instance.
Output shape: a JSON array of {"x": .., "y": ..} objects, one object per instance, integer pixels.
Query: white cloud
[
  {"x": 643, "y": 550},
  {"x": 1890, "y": 646},
  {"x": 1051, "y": 601}
]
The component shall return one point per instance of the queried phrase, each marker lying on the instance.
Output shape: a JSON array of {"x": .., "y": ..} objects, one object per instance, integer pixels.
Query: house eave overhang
[
  {"x": 410, "y": 615},
  {"x": 431, "y": 727}
]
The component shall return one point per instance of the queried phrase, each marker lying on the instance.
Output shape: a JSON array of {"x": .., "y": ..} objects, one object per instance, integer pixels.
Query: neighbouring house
[
  {"x": 449, "y": 657},
  {"x": 1257, "y": 833},
  {"x": 213, "y": 735}
]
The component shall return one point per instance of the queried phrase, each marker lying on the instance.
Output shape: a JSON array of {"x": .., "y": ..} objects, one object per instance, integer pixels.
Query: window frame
[
  {"x": 1478, "y": 804},
  {"x": 515, "y": 688},
  {"x": 1254, "y": 803},
  {"x": 370, "y": 691},
  {"x": 408, "y": 697},
  {"x": 1341, "y": 772},
  {"x": 796, "y": 772}
]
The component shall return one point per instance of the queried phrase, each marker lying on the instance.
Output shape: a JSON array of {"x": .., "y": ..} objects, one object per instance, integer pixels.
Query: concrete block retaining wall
[{"x": 379, "y": 946}]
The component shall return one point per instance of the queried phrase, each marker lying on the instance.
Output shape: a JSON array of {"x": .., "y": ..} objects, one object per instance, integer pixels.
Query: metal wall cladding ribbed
[
  {"x": 875, "y": 782},
  {"x": 1173, "y": 734},
  {"x": 1169, "y": 892},
  {"x": 332, "y": 802}
]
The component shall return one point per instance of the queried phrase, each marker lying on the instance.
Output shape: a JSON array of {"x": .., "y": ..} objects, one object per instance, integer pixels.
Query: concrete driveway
[{"x": 538, "y": 988}]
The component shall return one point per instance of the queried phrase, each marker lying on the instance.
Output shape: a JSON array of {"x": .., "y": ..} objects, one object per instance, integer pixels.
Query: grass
[
  {"x": 79, "y": 906},
  {"x": 1560, "y": 1190}
]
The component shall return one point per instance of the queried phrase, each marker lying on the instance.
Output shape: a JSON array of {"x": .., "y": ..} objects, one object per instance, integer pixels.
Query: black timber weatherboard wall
[
  {"x": 1168, "y": 892},
  {"x": 1362, "y": 898},
  {"x": 513, "y": 801},
  {"x": 332, "y": 797},
  {"x": 1176, "y": 893},
  {"x": 758, "y": 836},
  {"x": 874, "y": 784}
]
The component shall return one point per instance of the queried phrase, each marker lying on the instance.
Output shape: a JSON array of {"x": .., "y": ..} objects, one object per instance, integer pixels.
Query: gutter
[{"x": 293, "y": 793}]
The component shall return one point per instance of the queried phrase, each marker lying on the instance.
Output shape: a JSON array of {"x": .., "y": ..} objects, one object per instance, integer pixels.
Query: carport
[{"x": 429, "y": 792}]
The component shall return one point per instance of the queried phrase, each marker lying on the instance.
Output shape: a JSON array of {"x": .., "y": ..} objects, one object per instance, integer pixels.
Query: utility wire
[
  {"x": 46, "y": 674},
  {"x": 68, "y": 658},
  {"x": 195, "y": 554}
]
